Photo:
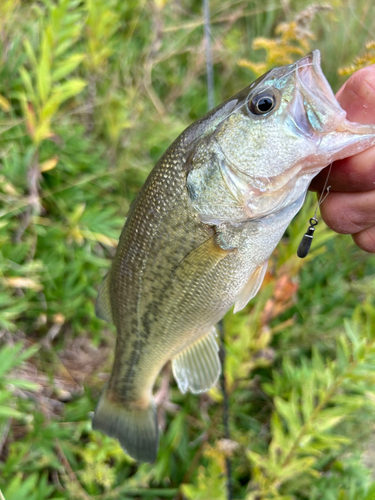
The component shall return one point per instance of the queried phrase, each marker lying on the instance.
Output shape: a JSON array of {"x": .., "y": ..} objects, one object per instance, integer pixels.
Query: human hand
[{"x": 350, "y": 206}]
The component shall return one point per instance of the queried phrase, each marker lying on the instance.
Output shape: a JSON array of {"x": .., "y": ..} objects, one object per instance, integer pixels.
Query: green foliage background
[{"x": 91, "y": 94}]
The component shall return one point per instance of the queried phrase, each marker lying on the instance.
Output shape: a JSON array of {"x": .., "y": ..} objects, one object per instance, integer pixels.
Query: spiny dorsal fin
[
  {"x": 197, "y": 368},
  {"x": 205, "y": 257},
  {"x": 103, "y": 302},
  {"x": 251, "y": 288}
]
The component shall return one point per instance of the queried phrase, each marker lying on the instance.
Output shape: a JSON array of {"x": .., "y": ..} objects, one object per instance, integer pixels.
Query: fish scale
[
  {"x": 198, "y": 237},
  {"x": 139, "y": 234}
]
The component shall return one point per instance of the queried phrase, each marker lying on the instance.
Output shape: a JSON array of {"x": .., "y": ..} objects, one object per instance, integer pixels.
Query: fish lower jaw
[{"x": 275, "y": 201}]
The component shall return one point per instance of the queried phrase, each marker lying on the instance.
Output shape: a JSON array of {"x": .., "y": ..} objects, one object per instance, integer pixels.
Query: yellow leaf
[
  {"x": 215, "y": 394},
  {"x": 8, "y": 188},
  {"x": 160, "y": 4},
  {"x": 58, "y": 319},
  {"x": 42, "y": 221},
  {"x": 49, "y": 164},
  {"x": 100, "y": 238},
  {"x": 20, "y": 282},
  {"x": 4, "y": 103},
  {"x": 77, "y": 236}
]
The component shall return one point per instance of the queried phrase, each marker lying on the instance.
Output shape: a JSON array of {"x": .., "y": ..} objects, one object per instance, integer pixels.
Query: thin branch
[
  {"x": 209, "y": 66},
  {"x": 150, "y": 61},
  {"x": 4, "y": 436},
  {"x": 223, "y": 384},
  {"x": 70, "y": 472},
  {"x": 220, "y": 19},
  {"x": 211, "y": 103},
  {"x": 34, "y": 206}
]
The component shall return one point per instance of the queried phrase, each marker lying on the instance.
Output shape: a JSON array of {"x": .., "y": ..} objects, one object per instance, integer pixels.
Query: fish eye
[{"x": 261, "y": 104}]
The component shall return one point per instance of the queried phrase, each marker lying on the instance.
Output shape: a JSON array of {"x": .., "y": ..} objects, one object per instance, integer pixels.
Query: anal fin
[
  {"x": 197, "y": 368},
  {"x": 103, "y": 302},
  {"x": 251, "y": 288}
]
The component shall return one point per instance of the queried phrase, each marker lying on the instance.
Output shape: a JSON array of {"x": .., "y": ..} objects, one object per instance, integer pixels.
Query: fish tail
[{"x": 134, "y": 424}]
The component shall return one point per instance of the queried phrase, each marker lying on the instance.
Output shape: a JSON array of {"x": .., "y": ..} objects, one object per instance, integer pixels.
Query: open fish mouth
[
  {"x": 261, "y": 160},
  {"x": 317, "y": 115},
  {"x": 314, "y": 108}
]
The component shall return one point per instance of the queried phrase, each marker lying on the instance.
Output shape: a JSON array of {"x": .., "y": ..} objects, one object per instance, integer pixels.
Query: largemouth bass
[{"x": 198, "y": 237}]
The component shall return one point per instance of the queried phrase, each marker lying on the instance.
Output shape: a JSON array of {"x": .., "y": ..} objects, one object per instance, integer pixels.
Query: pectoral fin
[
  {"x": 251, "y": 288},
  {"x": 103, "y": 303},
  {"x": 197, "y": 368},
  {"x": 203, "y": 258}
]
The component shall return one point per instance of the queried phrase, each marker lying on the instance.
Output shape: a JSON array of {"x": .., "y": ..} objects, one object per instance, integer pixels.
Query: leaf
[
  {"x": 27, "y": 83},
  {"x": 4, "y": 104},
  {"x": 160, "y": 4},
  {"x": 77, "y": 213},
  {"x": 70, "y": 88},
  {"x": 342, "y": 353},
  {"x": 20, "y": 488},
  {"x": 43, "y": 131},
  {"x": 308, "y": 398},
  {"x": 23, "y": 384},
  {"x": 289, "y": 411},
  {"x": 9, "y": 357},
  {"x": 49, "y": 164},
  {"x": 60, "y": 94},
  {"x": 68, "y": 66},
  {"x": 101, "y": 238},
  {"x": 6, "y": 411},
  {"x": 43, "y": 72},
  {"x": 64, "y": 46},
  {"x": 21, "y": 282},
  {"x": 31, "y": 54},
  {"x": 12, "y": 356}
]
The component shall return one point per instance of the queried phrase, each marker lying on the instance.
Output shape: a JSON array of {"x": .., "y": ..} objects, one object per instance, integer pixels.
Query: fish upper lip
[{"x": 321, "y": 106}]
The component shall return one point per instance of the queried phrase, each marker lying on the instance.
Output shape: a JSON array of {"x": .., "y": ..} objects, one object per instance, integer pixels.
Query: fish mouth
[
  {"x": 316, "y": 114},
  {"x": 314, "y": 108}
]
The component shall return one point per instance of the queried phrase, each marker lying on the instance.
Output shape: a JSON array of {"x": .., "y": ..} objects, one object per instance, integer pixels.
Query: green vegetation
[{"x": 91, "y": 94}]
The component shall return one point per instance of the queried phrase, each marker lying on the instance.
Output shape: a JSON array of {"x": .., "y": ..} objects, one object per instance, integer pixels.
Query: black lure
[{"x": 304, "y": 246}]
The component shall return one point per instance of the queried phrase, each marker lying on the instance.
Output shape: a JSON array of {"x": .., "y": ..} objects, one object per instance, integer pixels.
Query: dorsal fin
[
  {"x": 103, "y": 301},
  {"x": 197, "y": 368},
  {"x": 251, "y": 288}
]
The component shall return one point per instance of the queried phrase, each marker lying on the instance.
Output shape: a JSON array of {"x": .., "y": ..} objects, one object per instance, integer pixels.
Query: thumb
[
  {"x": 357, "y": 96},
  {"x": 356, "y": 173}
]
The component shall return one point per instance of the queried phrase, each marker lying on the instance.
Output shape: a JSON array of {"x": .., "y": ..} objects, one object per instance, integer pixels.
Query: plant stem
[
  {"x": 33, "y": 203},
  {"x": 209, "y": 66},
  {"x": 228, "y": 462},
  {"x": 83, "y": 495}
]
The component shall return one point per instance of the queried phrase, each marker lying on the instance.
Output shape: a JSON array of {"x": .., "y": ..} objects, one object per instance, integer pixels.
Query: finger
[
  {"x": 365, "y": 239},
  {"x": 356, "y": 96},
  {"x": 353, "y": 174},
  {"x": 349, "y": 213},
  {"x": 356, "y": 173}
]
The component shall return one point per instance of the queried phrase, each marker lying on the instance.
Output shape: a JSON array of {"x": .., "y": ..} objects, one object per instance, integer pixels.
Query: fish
[{"x": 198, "y": 237}]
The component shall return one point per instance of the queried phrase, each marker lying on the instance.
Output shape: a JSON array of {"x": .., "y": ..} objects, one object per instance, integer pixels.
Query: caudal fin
[{"x": 135, "y": 428}]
